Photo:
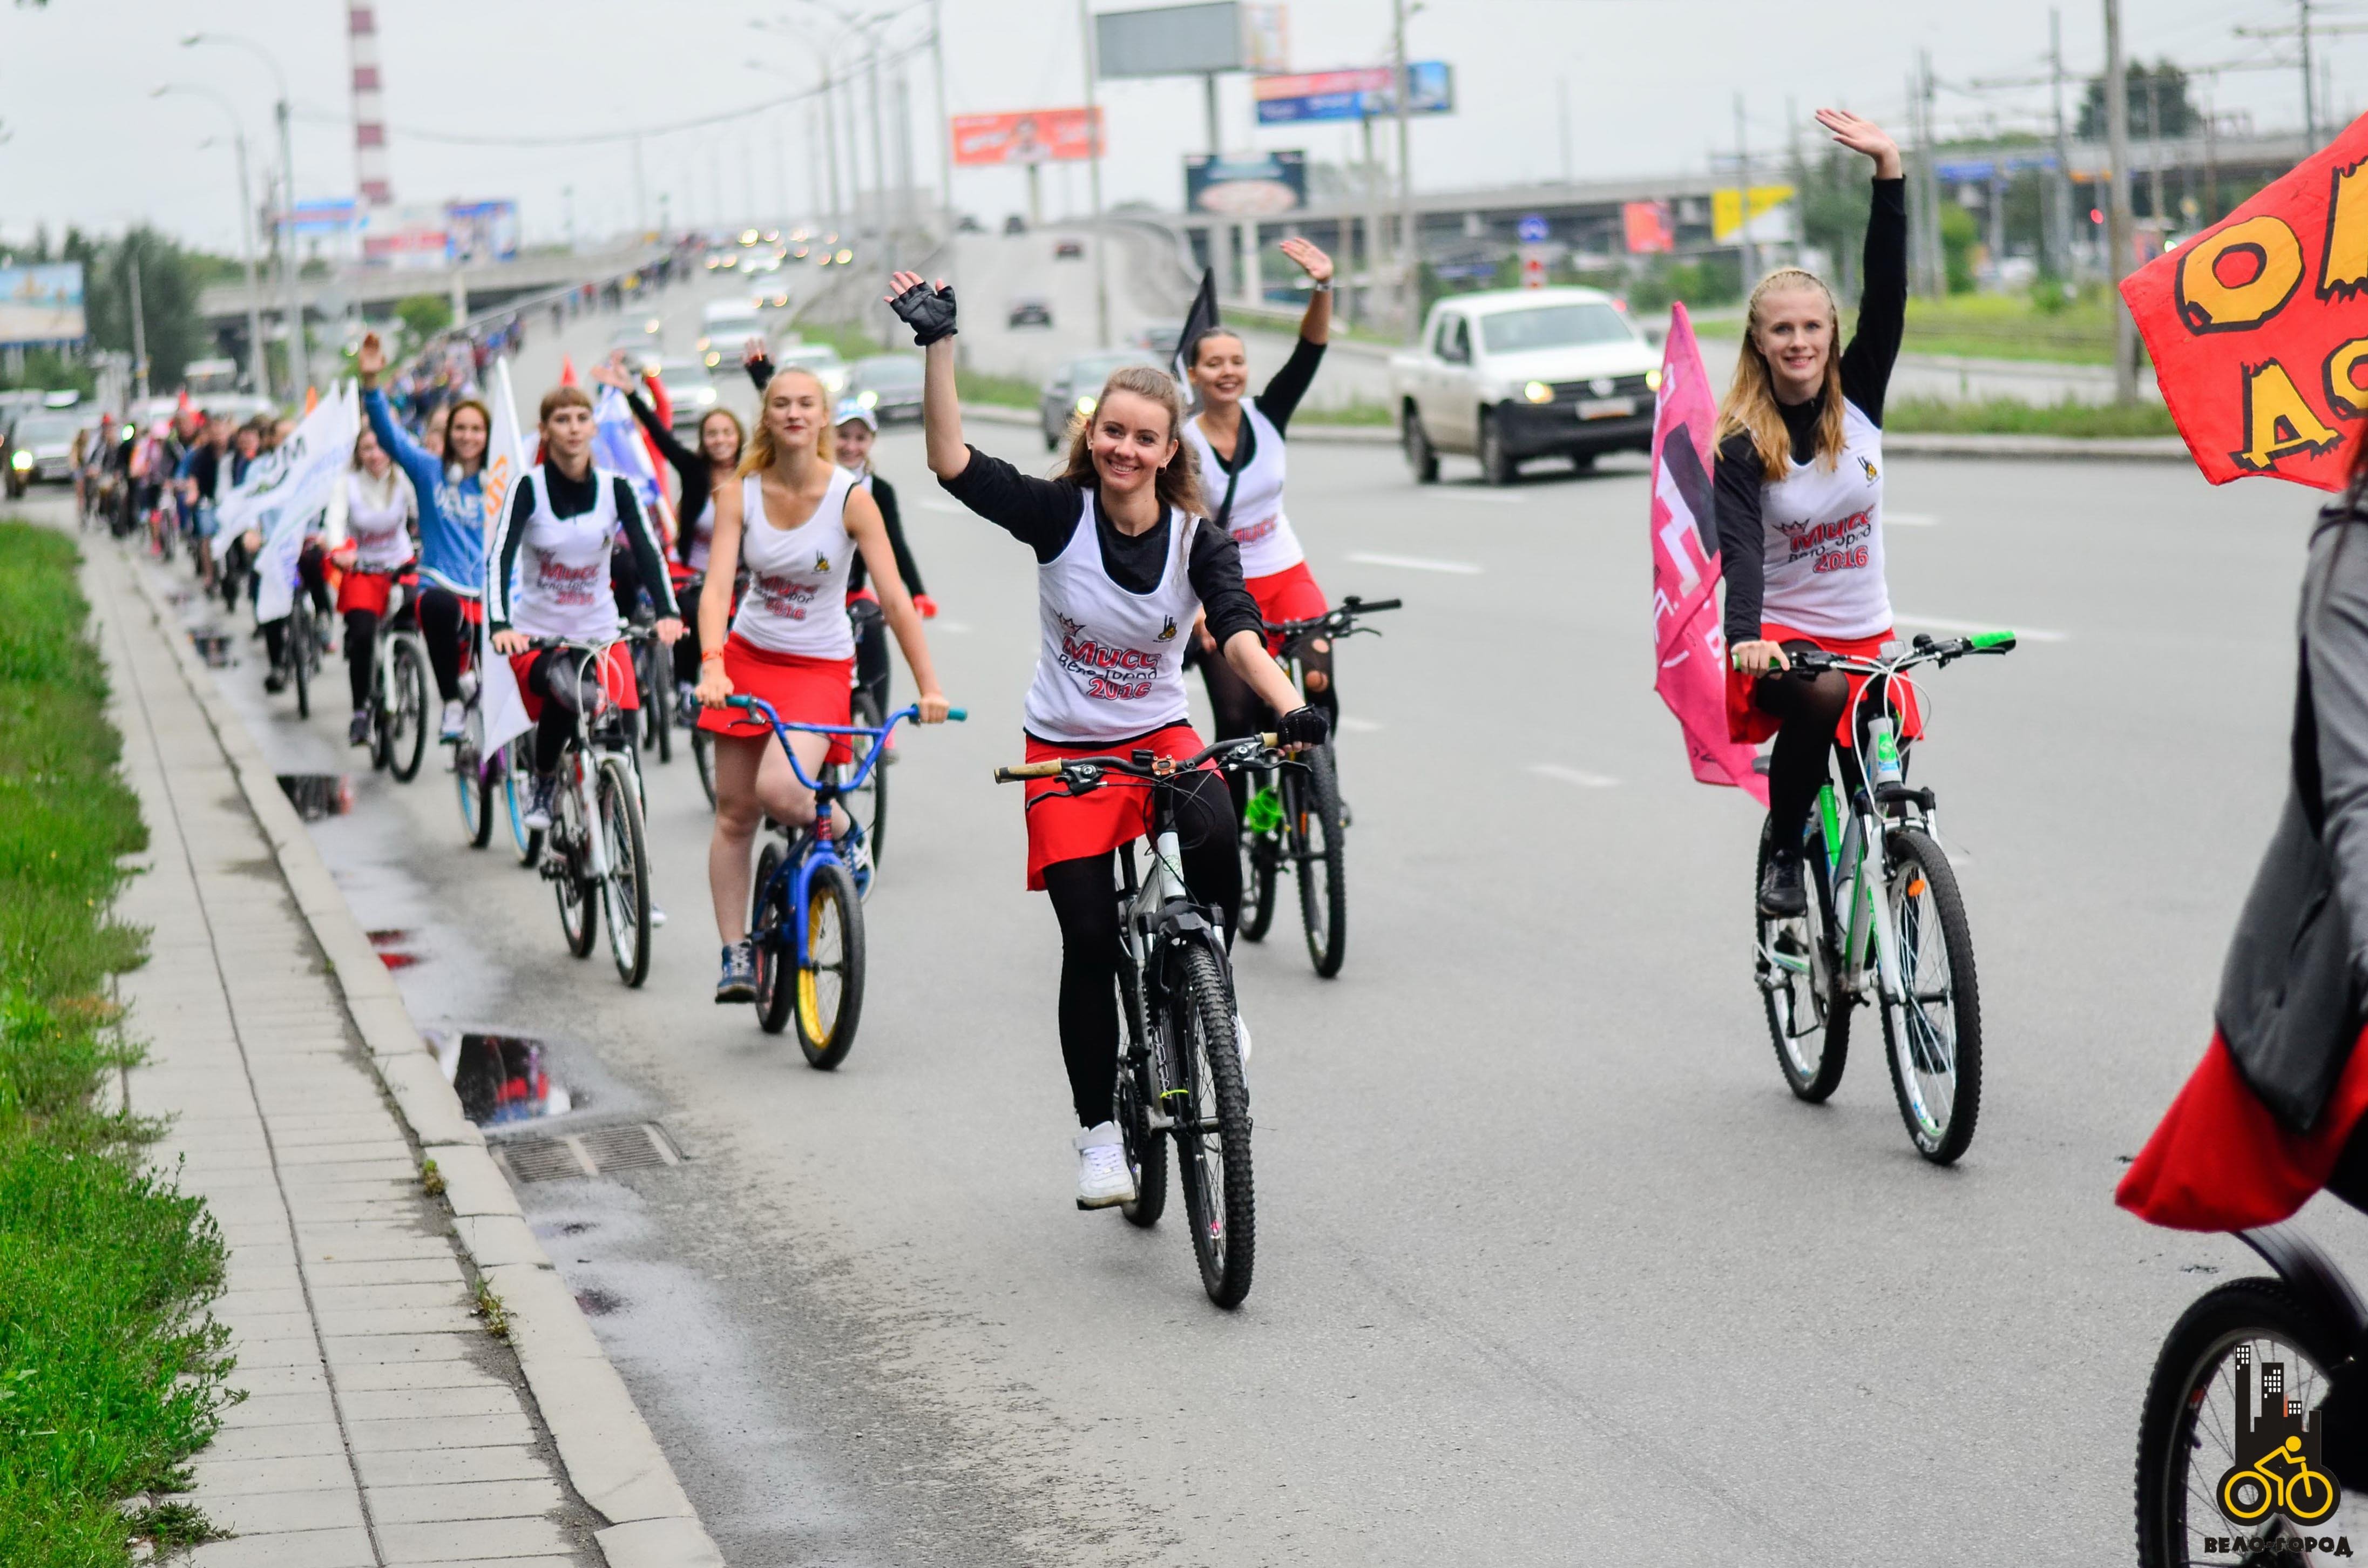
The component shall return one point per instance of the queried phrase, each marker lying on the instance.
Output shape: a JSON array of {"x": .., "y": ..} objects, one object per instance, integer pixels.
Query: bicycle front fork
[{"x": 1855, "y": 872}]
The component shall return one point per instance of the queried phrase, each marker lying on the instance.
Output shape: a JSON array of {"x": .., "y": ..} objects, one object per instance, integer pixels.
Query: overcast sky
[{"x": 1651, "y": 86}]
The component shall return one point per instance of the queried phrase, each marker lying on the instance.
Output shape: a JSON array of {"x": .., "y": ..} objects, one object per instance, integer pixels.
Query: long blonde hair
[
  {"x": 1177, "y": 483},
  {"x": 758, "y": 454},
  {"x": 1750, "y": 407}
]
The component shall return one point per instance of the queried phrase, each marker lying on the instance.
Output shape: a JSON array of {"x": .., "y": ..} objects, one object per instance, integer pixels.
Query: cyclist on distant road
[
  {"x": 1799, "y": 502},
  {"x": 451, "y": 522},
  {"x": 797, "y": 521},
  {"x": 1126, "y": 561},
  {"x": 373, "y": 513},
  {"x": 553, "y": 543}
]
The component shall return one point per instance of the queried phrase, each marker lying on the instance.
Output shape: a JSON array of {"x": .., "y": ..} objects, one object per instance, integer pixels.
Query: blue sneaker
[
  {"x": 856, "y": 850},
  {"x": 738, "y": 981}
]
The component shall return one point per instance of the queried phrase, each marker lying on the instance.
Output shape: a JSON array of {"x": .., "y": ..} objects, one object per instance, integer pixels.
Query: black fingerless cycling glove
[
  {"x": 1303, "y": 727},
  {"x": 929, "y": 311}
]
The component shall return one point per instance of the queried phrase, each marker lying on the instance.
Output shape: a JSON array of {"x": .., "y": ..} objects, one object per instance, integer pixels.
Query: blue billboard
[{"x": 1362, "y": 94}]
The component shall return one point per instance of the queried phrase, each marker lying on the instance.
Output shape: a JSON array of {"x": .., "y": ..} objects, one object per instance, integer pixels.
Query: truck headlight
[
  {"x": 20, "y": 459},
  {"x": 1086, "y": 403},
  {"x": 868, "y": 398},
  {"x": 1538, "y": 392},
  {"x": 1653, "y": 380}
]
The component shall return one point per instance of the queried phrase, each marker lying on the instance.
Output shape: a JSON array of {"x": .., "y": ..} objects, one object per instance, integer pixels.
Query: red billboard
[
  {"x": 1646, "y": 224},
  {"x": 1031, "y": 136}
]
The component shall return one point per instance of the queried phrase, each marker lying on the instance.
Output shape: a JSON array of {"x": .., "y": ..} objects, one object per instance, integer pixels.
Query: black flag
[{"x": 1201, "y": 318}]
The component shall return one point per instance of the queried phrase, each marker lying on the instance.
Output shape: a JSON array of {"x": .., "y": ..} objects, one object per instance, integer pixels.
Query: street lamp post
[
  {"x": 257, "y": 369},
  {"x": 299, "y": 369}
]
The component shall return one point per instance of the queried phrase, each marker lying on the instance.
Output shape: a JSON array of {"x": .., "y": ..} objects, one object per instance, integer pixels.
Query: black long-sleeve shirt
[
  {"x": 760, "y": 371},
  {"x": 572, "y": 498},
  {"x": 691, "y": 467},
  {"x": 1044, "y": 514},
  {"x": 1278, "y": 402},
  {"x": 1739, "y": 477}
]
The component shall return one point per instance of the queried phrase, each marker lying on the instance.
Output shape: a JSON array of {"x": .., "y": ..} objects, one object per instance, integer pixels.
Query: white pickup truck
[{"x": 1521, "y": 373}]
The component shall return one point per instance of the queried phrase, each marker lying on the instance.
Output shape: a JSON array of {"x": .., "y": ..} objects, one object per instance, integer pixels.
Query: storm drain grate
[{"x": 636, "y": 1146}]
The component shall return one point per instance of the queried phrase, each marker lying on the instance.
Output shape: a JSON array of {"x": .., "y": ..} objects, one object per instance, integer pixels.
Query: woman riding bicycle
[
  {"x": 451, "y": 530},
  {"x": 1126, "y": 561},
  {"x": 1239, "y": 449},
  {"x": 797, "y": 521},
  {"x": 553, "y": 544},
  {"x": 372, "y": 515},
  {"x": 1799, "y": 502},
  {"x": 855, "y": 428}
]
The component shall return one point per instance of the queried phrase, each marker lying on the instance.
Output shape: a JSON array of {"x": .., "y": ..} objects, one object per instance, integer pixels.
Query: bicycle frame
[{"x": 582, "y": 782}]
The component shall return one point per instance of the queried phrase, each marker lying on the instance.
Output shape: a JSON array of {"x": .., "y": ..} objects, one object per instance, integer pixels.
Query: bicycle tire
[
  {"x": 1219, "y": 1194},
  {"x": 1320, "y": 855},
  {"x": 1812, "y": 1060},
  {"x": 658, "y": 714},
  {"x": 2181, "y": 1455},
  {"x": 472, "y": 780},
  {"x": 579, "y": 895},
  {"x": 873, "y": 796},
  {"x": 382, "y": 741},
  {"x": 625, "y": 892},
  {"x": 702, "y": 753},
  {"x": 1138, "y": 1090},
  {"x": 826, "y": 1028},
  {"x": 1943, "y": 1139},
  {"x": 1262, "y": 858},
  {"x": 296, "y": 644},
  {"x": 516, "y": 759},
  {"x": 769, "y": 915},
  {"x": 406, "y": 718}
]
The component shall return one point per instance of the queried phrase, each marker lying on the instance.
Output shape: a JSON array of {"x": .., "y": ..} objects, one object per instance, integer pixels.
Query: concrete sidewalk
[{"x": 385, "y": 1422}]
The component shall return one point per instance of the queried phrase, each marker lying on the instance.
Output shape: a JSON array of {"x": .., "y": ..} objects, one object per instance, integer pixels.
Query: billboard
[
  {"x": 1246, "y": 186},
  {"x": 333, "y": 215},
  {"x": 1361, "y": 94},
  {"x": 1031, "y": 136},
  {"x": 1170, "y": 40},
  {"x": 406, "y": 238},
  {"x": 1728, "y": 217},
  {"x": 1647, "y": 228},
  {"x": 482, "y": 230},
  {"x": 41, "y": 304}
]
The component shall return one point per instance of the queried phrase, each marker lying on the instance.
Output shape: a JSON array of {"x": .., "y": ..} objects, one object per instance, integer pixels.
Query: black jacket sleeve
[
  {"x": 1736, "y": 480},
  {"x": 684, "y": 460},
  {"x": 1288, "y": 385},
  {"x": 1039, "y": 513},
  {"x": 646, "y": 555},
  {"x": 893, "y": 516},
  {"x": 1215, "y": 567},
  {"x": 506, "y": 542},
  {"x": 1883, "y": 304}
]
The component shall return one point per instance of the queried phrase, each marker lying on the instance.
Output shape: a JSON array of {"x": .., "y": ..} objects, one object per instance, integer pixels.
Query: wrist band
[
  {"x": 1325, "y": 286},
  {"x": 705, "y": 657}
]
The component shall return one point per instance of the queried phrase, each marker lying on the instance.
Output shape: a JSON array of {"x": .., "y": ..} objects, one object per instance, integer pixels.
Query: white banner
[
  {"x": 318, "y": 452},
  {"x": 236, "y": 508},
  {"x": 503, "y": 706}
]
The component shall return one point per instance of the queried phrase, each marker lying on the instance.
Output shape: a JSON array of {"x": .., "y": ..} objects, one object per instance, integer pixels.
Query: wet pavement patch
[
  {"x": 505, "y": 1078},
  {"x": 597, "y": 1303},
  {"x": 318, "y": 795},
  {"x": 394, "y": 947},
  {"x": 213, "y": 647}
]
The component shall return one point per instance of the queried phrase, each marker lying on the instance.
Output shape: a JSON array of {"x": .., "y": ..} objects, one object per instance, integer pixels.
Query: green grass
[
  {"x": 2010, "y": 416},
  {"x": 1006, "y": 391},
  {"x": 110, "y": 1375},
  {"x": 1352, "y": 413},
  {"x": 1995, "y": 327}
]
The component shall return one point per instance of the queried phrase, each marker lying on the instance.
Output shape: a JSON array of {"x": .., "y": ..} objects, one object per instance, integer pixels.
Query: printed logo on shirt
[
  {"x": 1837, "y": 546},
  {"x": 822, "y": 563},
  {"x": 1167, "y": 632},
  {"x": 1868, "y": 464},
  {"x": 561, "y": 583},
  {"x": 1111, "y": 674},
  {"x": 1251, "y": 533},
  {"x": 786, "y": 597}
]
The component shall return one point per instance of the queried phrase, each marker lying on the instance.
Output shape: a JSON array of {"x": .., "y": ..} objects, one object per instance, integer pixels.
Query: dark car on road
[
  {"x": 690, "y": 392},
  {"x": 1030, "y": 310},
  {"x": 1071, "y": 392},
  {"x": 889, "y": 385},
  {"x": 1068, "y": 250}
]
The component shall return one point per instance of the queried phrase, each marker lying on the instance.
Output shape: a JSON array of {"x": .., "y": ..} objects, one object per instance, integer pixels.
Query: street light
[
  {"x": 258, "y": 372},
  {"x": 299, "y": 367}
]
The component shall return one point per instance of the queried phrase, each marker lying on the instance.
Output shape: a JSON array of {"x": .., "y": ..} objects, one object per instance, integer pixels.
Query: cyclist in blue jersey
[{"x": 451, "y": 522}]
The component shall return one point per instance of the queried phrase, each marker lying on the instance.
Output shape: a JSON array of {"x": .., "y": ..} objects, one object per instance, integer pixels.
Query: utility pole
[
  {"x": 641, "y": 189},
  {"x": 830, "y": 152},
  {"x": 1409, "y": 244},
  {"x": 2118, "y": 220},
  {"x": 1094, "y": 174},
  {"x": 1936, "y": 252},
  {"x": 2309, "y": 83},
  {"x": 299, "y": 359},
  {"x": 2154, "y": 152},
  {"x": 2061, "y": 194},
  {"x": 1743, "y": 200},
  {"x": 880, "y": 171},
  {"x": 1562, "y": 105},
  {"x": 945, "y": 134},
  {"x": 139, "y": 325}
]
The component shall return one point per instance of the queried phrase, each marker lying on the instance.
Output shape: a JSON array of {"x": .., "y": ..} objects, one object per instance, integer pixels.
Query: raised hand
[
  {"x": 609, "y": 373},
  {"x": 1862, "y": 135},
  {"x": 369, "y": 359},
  {"x": 929, "y": 311},
  {"x": 1311, "y": 260}
]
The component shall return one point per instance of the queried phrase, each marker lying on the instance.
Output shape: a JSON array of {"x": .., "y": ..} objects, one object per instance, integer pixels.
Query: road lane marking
[
  {"x": 942, "y": 507},
  {"x": 1909, "y": 519},
  {"x": 1579, "y": 777},
  {"x": 1494, "y": 497},
  {"x": 1970, "y": 627},
  {"x": 956, "y": 627},
  {"x": 1360, "y": 726},
  {"x": 1416, "y": 563}
]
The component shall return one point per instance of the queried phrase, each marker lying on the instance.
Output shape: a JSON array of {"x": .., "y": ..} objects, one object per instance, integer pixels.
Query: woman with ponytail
[{"x": 1799, "y": 502}]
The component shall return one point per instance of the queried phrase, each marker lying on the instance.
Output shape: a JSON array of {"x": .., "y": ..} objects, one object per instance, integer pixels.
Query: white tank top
[
  {"x": 1256, "y": 521},
  {"x": 796, "y": 599},
  {"x": 702, "y": 533},
  {"x": 380, "y": 529},
  {"x": 1823, "y": 534},
  {"x": 562, "y": 566},
  {"x": 1112, "y": 663}
]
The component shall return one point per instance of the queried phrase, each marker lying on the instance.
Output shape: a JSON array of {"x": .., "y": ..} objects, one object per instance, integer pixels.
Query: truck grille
[{"x": 1616, "y": 386}]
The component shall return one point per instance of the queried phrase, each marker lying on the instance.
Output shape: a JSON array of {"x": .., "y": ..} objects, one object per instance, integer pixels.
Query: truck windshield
[{"x": 1553, "y": 327}]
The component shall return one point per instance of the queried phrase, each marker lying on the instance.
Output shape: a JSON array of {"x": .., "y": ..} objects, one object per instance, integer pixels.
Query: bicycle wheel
[
  {"x": 702, "y": 753},
  {"x": 1213, "y": 1126},
  {"x": 625, "y": 894},
  {"x": 404, "y": 719},
  {"x": 1798, "y": 970},
  {"x": 517, "y": 759},
  {"x": 1139, "y": 1079},
  {"x": 1262, "y": 856},
  {"x": 473, "y": 779},
  {"x": 830, "y": 984},
  {"x": 297, "y": 648},
  {"x": 771, "y": 941},
  {"x": 579, "y": 895},
  {"x": 869, "y": 805},
  {"x": 381, "y": 745},
  {"x": 2219, "y": 1358},
  {"x": 1934, "y": 1037},
  {"x": 657, "y": 704},
  {"x": 1320, "y": 857}
]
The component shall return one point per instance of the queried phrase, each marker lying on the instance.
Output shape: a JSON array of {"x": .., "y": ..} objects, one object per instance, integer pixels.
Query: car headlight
[
  {"x": 1538, "y": 392},
  {"x": 869, "y": 398},
  {"x": 1653, "y": 380},
  {"x": 706, "y": 394},
  {"x": 20, "y": 459},
  {"x": 1086, "y": 401},
  {"x": 844, "y": 257},
  {"x": 713, "y": 358}
]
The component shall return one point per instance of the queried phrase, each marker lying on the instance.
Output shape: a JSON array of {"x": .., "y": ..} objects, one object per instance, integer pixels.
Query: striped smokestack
[{"x": 369, "y": 109}]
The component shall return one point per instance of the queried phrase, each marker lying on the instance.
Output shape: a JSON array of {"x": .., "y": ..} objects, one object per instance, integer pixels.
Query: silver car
[{"x": 46, "y": 436}]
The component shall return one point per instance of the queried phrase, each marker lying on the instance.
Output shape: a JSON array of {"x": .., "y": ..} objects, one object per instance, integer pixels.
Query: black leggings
[
  {"x": 313, "y": 582},
  {"x": 557, "y": 725},
  {"x": 361, "y": 649},
  {"x": 685, "y": 648},
  {"x": 447, "y": 631},
  {"x": 1085, "y": 900},
  {"x": 1811, "y": 710},
  {"x": 1238, "y": 711},
  {"x": 872, "y": 655}
]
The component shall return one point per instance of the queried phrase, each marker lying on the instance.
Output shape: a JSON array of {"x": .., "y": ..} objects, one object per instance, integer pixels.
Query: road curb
[
  {"x": 610, "y": 1455},
  {"x": 1305, "y": 431},
  {"x": 2139, "y": 448}
]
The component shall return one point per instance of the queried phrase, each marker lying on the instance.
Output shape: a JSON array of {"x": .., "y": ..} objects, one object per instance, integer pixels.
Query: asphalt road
[{"x": 1551, "y": 1268}]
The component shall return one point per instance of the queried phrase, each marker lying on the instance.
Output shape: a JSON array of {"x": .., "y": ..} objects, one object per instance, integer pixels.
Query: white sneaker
[
  {"x": 657, "y": 915},
  {"x": 1103, "y": 1178},
  {"x": 454, "y": 718}
]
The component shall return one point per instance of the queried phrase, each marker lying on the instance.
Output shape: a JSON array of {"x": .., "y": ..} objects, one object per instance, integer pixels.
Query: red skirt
[
  {"x": 616, "y": 676},
  {"x": 1288, "y": 595},
  {"x": 1070, "y": 827},
  {"x": 1748, "y": 723},
  {"x": 801, "y": 691},
  {"x": 365, "y": 590},
  {"x": 2218, "y": 1160}
]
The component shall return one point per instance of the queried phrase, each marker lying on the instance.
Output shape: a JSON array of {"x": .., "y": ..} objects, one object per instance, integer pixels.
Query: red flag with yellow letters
[{"x": 2259, "y": 326}]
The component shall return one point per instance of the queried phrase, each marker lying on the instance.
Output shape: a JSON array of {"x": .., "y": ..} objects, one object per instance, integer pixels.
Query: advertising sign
[
  {"x": 41, "y": 304},
  {"x": 333, "y": 215},
  {"x": 482, "y": 230},
  {"x": 406, "y": 238},
  {"x": 1726, "y": 215},
  {"x": 1646, "y": 225},
  {"x": 1170, "y": 40},
  {"x": 1031, "y": 136},
  {"x": 1359, "y": 94},
  {"x": 1255, "y": 185}
]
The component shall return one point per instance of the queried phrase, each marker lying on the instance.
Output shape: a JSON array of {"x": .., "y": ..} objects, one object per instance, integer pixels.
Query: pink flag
[{"x": 1693, "y": 650}]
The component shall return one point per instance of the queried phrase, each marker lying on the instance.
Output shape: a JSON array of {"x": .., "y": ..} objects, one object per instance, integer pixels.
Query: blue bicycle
[{"x": 805, "y": 915}]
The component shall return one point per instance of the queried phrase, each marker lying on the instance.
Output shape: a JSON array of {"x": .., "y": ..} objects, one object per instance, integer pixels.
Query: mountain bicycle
[
  {"x": 1179, "y": 1053},
  {"x": 2229, "y": 1464},
  {"x": 653, "y": 677},
  {"x": 805, "y": 915},
  {"x": 1884, "y": 924},
  {"x": 398, "y": 694},
  {"x": 1296, "y": 819},
  {"x": 299, "y": 657},
  {"x": 598, "y": 860},
  {"x": 478, "y": 778}
]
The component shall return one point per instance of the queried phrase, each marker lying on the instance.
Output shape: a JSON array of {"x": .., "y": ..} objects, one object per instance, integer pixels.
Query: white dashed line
[
  {"x": 1416, "y": 563},
  {"x": 942, "y": 507},
  {"x": 1360, "y": 726},
  {"x": 1910, "y": 519},
  {"x": 1585, "y": 781},
  {"x": 1969, "y": 627}
]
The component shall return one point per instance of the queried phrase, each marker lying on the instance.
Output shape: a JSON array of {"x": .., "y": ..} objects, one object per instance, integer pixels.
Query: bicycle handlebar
[
  {"x": 1093, "y": 766},
  {"x": 1925, "y": 650},
  {"x": 1338, "y": 620},
  {"x": 879, "y": 734}
]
